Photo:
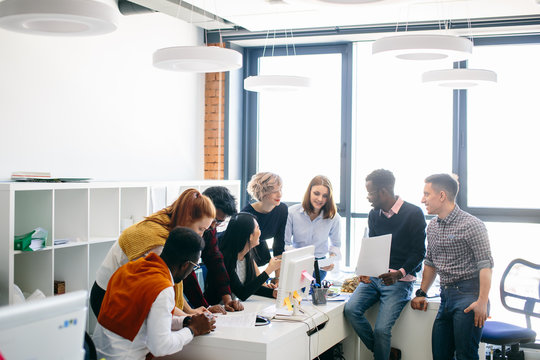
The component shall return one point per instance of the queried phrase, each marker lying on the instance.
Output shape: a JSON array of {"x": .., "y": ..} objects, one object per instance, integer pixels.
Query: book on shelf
[
  {"x": 34, "y": 176},
  {"x": 24, "y": 175}
]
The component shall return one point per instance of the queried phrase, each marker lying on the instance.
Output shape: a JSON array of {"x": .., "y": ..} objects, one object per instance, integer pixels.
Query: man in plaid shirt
[{"x": 458, "y": 250}]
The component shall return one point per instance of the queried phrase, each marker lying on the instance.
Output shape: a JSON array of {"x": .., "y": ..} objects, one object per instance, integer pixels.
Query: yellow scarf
[{"x": 140, "y": 238}]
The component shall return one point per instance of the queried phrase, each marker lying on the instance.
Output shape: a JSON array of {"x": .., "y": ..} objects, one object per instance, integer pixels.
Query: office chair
[{"x": 520, "y": 294}]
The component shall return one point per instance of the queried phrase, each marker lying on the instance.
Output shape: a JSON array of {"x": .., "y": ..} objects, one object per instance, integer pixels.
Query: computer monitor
[
  {"x": 49, "y": 329},
  {"x": 291, "y": 278}
]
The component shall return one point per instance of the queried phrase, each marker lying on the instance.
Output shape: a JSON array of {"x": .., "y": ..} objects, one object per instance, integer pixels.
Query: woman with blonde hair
[
  {"x": 191, "y": 209},
  {"x": 316, "y": 222},
  {"x": 271, "y": 214}
]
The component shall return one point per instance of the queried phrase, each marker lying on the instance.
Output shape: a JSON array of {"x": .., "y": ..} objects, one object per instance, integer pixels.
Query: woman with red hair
[{"x": 191, "y": 209}]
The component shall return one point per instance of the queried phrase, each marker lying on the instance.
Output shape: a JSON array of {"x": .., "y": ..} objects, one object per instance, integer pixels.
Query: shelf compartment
[
  {"x": 71, "y": 215},
  {"x": 33, "y": 208},
  {"x": 133, "y": 205},
  {"x": 97, "y": 253},
  {"x": 96, "y": 240},
  {"x": 174, "y": 191},
  {"x": 34, "y": 270},
  {"x": 71, "y": 266},
  {"x": 104, "y": 213}
]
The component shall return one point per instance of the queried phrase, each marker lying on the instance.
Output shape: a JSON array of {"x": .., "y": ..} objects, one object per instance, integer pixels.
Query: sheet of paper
[
  {"x": 327, "y": 261},
  {"x": 238, "y": 320},
  {"x": 374, "y": 257}
]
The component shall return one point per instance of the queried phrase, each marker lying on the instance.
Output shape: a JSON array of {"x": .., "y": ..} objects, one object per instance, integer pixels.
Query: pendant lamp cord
[
  {"x": 294, "y": 47},
  {"x": 266, "y": 42}
]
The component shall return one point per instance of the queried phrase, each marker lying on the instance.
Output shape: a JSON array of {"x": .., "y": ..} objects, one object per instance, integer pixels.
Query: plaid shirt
[{"x": 458, "y": 246}]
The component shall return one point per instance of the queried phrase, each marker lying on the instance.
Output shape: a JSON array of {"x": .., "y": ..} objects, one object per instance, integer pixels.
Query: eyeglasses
[
  {"x": 195, "y": 266},
  {"x": 220, "y": 221}
]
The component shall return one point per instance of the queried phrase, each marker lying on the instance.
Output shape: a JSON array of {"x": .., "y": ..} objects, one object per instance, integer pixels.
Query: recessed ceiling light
[{"x": 58, "y": 17}]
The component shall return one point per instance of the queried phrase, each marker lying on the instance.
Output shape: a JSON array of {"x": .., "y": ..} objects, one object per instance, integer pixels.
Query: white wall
[{"x": 96, "y": 107}]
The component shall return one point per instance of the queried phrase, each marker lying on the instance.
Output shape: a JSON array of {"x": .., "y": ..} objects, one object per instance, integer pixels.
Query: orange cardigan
[{"x": 131, "y": 291}]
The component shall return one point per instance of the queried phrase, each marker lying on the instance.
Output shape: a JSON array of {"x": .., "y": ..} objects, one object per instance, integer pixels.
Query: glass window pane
[
  {"x": 358, "y": 228},
  {"x": 503, "y": 128},
  {"x": 300, "y": 132},
  {"x": 510, "y": 241},
  {"x": 401, "y": 125}
]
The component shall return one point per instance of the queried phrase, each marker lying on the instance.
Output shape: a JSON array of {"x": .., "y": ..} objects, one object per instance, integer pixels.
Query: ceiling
[{"x": 269, "y": 15}]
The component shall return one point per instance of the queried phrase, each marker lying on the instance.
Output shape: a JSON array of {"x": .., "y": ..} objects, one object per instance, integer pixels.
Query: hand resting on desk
[{"x": 202, "y": 324}]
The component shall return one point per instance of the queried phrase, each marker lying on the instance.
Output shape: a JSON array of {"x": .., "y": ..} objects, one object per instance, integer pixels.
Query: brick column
[{"x": 214, "y": 125}]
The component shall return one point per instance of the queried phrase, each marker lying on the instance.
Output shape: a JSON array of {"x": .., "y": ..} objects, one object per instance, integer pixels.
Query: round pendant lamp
[
  {"x": 276, "y": 83},
  {"x": 197, "y": 59},
  {"x": 424, "y": 47},
  {"x": 339, "y": 2},
  {"x": 58, "y": 17},
  {"x": 459, "y": 78}
]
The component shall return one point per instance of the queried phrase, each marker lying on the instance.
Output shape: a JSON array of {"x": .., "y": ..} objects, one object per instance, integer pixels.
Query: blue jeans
[
  {"x": 392, "y": 299},
  {"x": 454, "y": 330}
]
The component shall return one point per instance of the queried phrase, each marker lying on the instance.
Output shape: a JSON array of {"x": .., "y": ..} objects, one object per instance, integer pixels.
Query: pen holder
[{"x": 318, "y": 295}]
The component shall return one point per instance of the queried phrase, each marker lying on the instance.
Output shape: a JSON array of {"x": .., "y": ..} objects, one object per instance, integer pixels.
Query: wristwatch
[
  {"x": 420, "y": 293},
  {"x": 186, "y": 322}
]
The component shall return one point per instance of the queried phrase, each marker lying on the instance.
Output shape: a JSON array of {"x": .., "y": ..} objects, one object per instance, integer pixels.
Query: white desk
[
  {"x": 411, "y": 333},
  {"x": 279, "y": 340}
]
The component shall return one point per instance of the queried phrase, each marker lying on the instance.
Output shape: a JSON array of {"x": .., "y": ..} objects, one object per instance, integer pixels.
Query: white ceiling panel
[{"x": 261, "y": 15}]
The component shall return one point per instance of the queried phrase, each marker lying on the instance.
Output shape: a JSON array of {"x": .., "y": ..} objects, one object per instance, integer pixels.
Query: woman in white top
[{"x": 316, "y": 222}]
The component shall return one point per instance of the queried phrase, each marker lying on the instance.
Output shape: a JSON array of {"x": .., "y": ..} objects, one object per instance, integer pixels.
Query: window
[
  {"x": 509, "y": 241},
  {"x": 401, "y": 125},
  {"x": 503, "y": 128},
  {"x": 300, "y": 132},
  {"x": 415, "y": 130}
]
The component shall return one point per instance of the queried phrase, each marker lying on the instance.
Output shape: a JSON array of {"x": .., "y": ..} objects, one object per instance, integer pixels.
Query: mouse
[{"x": 261, "y": 320}]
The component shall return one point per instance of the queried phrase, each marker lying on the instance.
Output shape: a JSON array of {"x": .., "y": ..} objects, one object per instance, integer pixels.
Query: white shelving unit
[{"x": 88, "y": 214}]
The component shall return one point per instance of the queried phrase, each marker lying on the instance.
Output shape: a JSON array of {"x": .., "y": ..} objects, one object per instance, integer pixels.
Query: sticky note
[
  {"x": 307, "y": 275},
  {"x": 287, "y": 302},
  {"x": 297, "y": 297}
]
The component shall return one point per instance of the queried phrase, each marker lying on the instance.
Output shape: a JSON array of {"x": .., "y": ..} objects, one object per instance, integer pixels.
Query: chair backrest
[{"x": 520, "y": 288}]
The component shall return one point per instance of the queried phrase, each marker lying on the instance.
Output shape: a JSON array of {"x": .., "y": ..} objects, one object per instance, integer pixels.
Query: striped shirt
[{"x": 458, "y": 246}]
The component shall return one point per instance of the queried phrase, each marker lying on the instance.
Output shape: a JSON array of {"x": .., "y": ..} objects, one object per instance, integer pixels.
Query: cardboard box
[{"x": 59, "y": 287}]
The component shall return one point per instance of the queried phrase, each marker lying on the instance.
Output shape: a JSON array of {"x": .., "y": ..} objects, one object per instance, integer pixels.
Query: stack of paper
[{"x": 30, "y": 175}]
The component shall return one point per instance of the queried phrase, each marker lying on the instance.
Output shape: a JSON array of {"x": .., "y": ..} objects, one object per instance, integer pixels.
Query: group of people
[
  {"x": 150, "y": 270},
  {"x": 147, "y": 298},
  {"x": 457, "y": 249}
]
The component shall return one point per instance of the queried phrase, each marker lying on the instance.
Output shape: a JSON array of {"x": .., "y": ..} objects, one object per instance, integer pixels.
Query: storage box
[{"x": 59, "y": 287}]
